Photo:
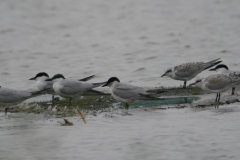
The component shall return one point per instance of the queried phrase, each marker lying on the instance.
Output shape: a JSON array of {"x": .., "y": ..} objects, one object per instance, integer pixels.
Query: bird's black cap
[{"x": 110, "y": 80}]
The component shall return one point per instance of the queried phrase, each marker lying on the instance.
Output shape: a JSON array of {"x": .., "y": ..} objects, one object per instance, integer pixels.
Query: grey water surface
[{"x": 136, "y": 41}]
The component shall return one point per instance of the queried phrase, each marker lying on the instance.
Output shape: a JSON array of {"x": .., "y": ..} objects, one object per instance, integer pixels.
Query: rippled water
[
  {"x": 190, "y": 133},
  {"x": 135, "y": 41}
]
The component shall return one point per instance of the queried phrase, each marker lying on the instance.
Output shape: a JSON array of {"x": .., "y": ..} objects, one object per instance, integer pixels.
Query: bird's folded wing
[
  {"x": 218, "y": 82},
  {"x": 71, "y": 87},
  {"x": 187, "y": 69}
]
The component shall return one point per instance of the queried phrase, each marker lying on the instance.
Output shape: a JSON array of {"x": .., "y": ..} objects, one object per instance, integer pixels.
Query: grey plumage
[
  {"x": 11, "y": 96},
  {"x": 70, "y": 88},
  {"x": 217, "y": 83},
  {"x": 187, "y": 71},
  {"x": 87, "y": 78},
  {"x": 127, "y": 93}
]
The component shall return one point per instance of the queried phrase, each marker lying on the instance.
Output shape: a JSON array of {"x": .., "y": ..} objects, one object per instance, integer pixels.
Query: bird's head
[
  {"x": 56, "y": 78},
  {"x": 111, "y": 81},
  {"x": 40, "y": 76},
  {"x": 168, "y": 72}
]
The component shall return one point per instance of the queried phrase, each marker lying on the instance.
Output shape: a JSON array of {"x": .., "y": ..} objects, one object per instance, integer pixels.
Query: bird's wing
[
  {"x": 87, "y": 78},
  {"x": 70, "y": 87},
  {"x": 235, "y": 77},
  {"x": 13, "y": 96},
  {"x": 217, "y": 82},
  {"x": 127, "y": 91},
  {"x": 188, "y": 69},
  {"x": 212, "y": 63},
  {"x": 74, "y": 87}
]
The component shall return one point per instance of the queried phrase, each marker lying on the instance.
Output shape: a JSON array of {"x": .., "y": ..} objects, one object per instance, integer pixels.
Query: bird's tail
[
  {"x": 87, "y": 78},
  {"x": 38, "y": 93},
  {"x": 98, "y": 84},
  {"x": 212, "y": 63},
  {"x": 95, "y": 93},
  {"x": 149, "y": 97}
]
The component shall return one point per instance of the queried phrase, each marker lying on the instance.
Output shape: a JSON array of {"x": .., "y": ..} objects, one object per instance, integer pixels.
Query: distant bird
[
  {"x": 42, "y": 84},
  {"x": 217, "y": 83},
  {"x": 70, "y": 88},
  {"x": 128, "y": 94},
  {"x": 10, "y": 97},
  {"x": 187, "y": 71},
  {"x": 222, "y": 68}
]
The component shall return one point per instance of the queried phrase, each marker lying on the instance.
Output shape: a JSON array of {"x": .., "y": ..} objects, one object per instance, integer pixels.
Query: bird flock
[{"x": 122, "y": 92}]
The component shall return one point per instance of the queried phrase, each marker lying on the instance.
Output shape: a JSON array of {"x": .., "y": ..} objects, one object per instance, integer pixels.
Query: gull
[
  {"x": 70, "y": 88},
  {"x": 217, "y": 83},
  {"x": 10, "y": 97},
  {"x": 42, "y": 84},
  {"x": 222, "y": 68},
  {"x": 187, "y": 71},
  {"x": 128, "y": 94}
]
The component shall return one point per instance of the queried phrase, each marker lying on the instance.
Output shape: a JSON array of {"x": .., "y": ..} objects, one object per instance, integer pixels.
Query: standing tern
[
  {"x": 128, "y": 94},
  {"x": 69, "y": 88},
  {"x": 187, "y": 71},
  {"x": 10, "y": 97},
  {"x": 217, "y": 83},
  {"x": 222, "y": 68},
  {"x": 42, "y": 84}
]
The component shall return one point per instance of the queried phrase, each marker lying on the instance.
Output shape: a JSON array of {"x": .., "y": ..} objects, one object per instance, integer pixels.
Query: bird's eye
[
  {"x": 168, "y": 71},
  {"x": 198, "y": 81}
]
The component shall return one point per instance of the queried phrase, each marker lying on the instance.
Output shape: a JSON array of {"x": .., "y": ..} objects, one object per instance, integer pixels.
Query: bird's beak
[
  {"x": 163, "y": 75},
  {"x": 49, "y": 79},
  {"x": 104, "y": 85},
  {"x": 32, "y": 78},
  {"x": 192, "y": 84},
  {"x": 212, "y": 69}
]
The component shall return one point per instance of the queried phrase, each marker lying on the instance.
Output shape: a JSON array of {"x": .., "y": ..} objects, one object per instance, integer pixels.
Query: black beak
[
  {"x": 49, "y": 79},
  {"x": 212, "y": 69},
  {"x": 32, "y": 78},
  {"x": 163, "y": 75},
  {"x": 104, "y": 85}
]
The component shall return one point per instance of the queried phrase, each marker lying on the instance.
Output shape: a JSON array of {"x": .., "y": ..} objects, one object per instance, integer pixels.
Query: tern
[
  {"x": 187, "y": 71},
  {"x": 10, "y": 97},
  {"x": 216, "y": 83},
  {"x": 42, "y": 84},
  {"x": 222, "y": 68},
  {"x": 70, "y": 88},
  {"x": 128, "y": 94}
]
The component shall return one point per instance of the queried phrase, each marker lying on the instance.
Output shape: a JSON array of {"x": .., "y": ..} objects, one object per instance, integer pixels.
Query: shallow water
[
  {"x": 189, "y": 133},
  {"x": 135, "y": 41}
]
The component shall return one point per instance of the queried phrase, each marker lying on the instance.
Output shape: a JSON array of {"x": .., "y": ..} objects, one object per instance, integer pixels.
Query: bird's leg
[
  {"x": 219, "y": 97},
  {"x": 185, "y": 84},
  {"x": 6, "y": 109},
  {"x": 216, "y": 98},
  {"x": 233, "y": 90},
  {"x": 185, "y": 99},
  {"x": 52, "y": 99},
  {"x": 127, "y": 106}
]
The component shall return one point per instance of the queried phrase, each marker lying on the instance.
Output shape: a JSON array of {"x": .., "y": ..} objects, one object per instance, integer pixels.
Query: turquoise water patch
[{"x": 178, "y": 100}]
